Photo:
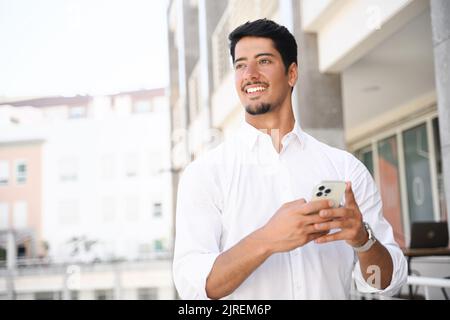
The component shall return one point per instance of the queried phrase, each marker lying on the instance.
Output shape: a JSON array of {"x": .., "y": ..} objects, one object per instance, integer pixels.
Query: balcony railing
[
  {"x": 221, "y": 56},
  {"x": 48, "y": 265}
]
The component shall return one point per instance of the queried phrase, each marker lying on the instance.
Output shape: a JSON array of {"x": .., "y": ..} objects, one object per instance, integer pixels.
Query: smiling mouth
[{"x": 255, "y": 91}]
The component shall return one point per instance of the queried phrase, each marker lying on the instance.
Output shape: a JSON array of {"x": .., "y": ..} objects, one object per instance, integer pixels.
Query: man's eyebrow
[
  {"x": 256, "y": 56},
  {"x": 264, "y": 54}
]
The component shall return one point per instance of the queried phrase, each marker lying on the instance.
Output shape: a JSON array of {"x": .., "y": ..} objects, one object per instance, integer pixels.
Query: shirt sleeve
[
  {"x": 198, "y": 232},
  {"x": 370, "y": 205}
]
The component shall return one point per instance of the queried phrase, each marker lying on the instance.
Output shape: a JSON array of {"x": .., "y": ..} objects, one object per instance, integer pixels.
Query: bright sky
[{"x": 68, "y": 47}]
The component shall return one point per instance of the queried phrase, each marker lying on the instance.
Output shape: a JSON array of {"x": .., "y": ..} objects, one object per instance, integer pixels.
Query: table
[{"x": 422, "y": 252}]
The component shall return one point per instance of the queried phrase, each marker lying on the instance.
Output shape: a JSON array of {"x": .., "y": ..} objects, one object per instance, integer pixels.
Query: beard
[{"x": 258, "y": 109}]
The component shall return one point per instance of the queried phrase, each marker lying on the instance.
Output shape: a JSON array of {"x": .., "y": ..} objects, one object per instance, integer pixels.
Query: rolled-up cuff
[
  {"x": 399, "y": 275},
  {"x": 190, "y": 274}
]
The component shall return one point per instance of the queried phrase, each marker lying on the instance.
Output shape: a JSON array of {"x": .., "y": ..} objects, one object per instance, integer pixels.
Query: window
[
  {"x": 68, "y": 168},
  {"x": 440, "y": 178},
  {"x": 21, "y": 172},
  {"x": 47, "y": 295},
  {"x": 147, "y": 293},
  {"x": 131, "y": 165},
  {"x": 74, "y": 295},
  {"x": 104, "y": 294},
  {"x": 108, "y": 166},
  {"x": 132, "y": 208},
  {"x": 4, "y": 172},
  {"x": 155, "y": 162},
  {"x": 20, "y": 215},
  {"x": 157, "y": 209},
  {"x": 145, "y": 249},
  {"x": 408, "y": 166},
  {"x": 389, "y": 176},
  {"x": 77, "y": 112},
  {"x": 68, "y": 212},
  {"x": 4, "y": 216},
  {"x": 418, "y": 175},
  {"x": 21, "y": 251},
  {"x": 141, "y": 106},
  {"x": 366, "y": 157},
  {"x": 158, "y": 245},
  {"x": 109, "y": 209}
]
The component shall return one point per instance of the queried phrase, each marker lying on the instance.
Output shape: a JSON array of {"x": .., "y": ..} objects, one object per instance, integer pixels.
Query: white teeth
[{"x": 255, "y": 89}]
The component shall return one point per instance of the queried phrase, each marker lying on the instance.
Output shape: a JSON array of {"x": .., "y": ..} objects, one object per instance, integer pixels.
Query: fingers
[
  {"x": 317, "y": 235},
  {"x": 336, "y": 213},
  {"x": 314, "y": 206},
  {"x": 339, "y": 235},
  {"x": 311, "y": 229},
  {"x": 335, "y": 224},
  {"x": 349, "y": 196}
]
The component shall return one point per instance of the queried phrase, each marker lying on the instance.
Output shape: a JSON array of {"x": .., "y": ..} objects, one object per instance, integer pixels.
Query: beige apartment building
[
  {"x": 21, "y": 195},
  {"x": 85, "y": 201}
]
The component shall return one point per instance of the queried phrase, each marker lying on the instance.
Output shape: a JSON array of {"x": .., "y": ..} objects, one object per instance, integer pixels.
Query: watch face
[{"x": 369, "y": 230}]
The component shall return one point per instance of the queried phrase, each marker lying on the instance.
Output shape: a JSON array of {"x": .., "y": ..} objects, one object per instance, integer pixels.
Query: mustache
[{"x": 253, "y": 83}]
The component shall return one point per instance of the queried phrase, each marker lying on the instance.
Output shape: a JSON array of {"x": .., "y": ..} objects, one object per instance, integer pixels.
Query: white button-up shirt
[{"x": 235, "y": 189}]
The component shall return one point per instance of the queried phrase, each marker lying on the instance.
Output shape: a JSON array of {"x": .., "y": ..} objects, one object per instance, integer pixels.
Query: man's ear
[{"x": 292, "y": 74}]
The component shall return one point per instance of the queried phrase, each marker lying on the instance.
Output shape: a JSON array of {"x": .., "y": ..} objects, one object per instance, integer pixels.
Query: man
[{"x": 244, "y": 229}]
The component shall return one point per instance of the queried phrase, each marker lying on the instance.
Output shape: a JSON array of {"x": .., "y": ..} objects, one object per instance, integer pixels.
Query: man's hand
[
  {"x": 348, "y": 219},
  {"x": 290, "y": 227},
  {"x": 293, "y": 225}
]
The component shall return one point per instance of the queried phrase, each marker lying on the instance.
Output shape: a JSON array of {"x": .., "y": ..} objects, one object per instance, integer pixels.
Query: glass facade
[
  {"x": 404, "y": 175},
  {"x": 418, "y": 175},
  {"x": 389, "y": 176}
]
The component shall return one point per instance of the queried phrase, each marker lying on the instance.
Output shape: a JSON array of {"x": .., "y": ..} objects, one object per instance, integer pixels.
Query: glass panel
[
  {"x": 440, "y": 178},
  {"x": 20, "y": 215},
  {"x": 4, "y": 172},
  {"x": 417, "y": 171},
  {"x": 21, "y": 172},
  {"x": 47, "y": 295},
  {"x": 390, "y": 186},
  {"x": 4, "y": 216},
  {"x": 104, "y": 294},
  {"x": 157, "y": 210},
  {"x": 147, "y": 293},
  {"x": 366, "y": 157}
]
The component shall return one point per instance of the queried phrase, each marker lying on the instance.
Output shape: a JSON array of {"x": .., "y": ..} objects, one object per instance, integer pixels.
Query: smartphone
[{"x": 329, "y": 190}]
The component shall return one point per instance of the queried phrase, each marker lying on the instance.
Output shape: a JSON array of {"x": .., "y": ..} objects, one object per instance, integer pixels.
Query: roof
[{"x": 82, "y": 100}]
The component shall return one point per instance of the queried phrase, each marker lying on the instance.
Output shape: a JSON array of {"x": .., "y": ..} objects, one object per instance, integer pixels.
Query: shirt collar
[{"x": 250, "y": 134}]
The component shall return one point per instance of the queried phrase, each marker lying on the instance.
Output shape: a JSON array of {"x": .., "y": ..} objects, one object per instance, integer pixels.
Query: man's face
[{"x": 260, "y": 76}]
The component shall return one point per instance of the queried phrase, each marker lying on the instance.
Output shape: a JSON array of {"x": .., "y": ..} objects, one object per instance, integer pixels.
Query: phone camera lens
[
  {"x": 319, "y": 194},
  {"x": 328, "y": 191},
  {"x": 321, "y": 188}
]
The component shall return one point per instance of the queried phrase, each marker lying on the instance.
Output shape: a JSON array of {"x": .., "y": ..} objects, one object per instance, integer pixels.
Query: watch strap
[{"x": 369, "y": 243}]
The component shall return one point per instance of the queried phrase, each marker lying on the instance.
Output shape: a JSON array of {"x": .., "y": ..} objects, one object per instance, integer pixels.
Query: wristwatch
[{"x": 366, "y": 246}]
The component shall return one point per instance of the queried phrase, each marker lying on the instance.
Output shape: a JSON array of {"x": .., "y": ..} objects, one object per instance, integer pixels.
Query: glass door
[
  {"x": 418, "y": 176},
  {"x": 390, "y": 186}
]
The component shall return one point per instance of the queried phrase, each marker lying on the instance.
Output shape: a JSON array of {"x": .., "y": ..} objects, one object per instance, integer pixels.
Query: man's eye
[
  {"x": 264, "y": 61},
  {"x": 239, "y": 66}
]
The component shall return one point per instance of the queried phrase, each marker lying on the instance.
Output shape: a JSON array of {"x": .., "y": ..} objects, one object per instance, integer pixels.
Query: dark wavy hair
[{"x": 283, "y": 40}]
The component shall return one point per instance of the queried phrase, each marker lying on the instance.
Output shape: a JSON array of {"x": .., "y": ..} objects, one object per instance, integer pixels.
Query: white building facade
[{"x": 106, "y": 190}]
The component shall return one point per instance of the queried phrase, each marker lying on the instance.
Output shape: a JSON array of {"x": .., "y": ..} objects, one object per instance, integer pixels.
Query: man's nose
[{"x": 251, "y": 72}]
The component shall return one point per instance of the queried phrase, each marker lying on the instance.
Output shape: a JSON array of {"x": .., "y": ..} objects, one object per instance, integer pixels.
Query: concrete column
[
  {"x": 11, "y": 250},
  {"x": 440, "y": 24},
  {"x": 117, "y": 281},
  {"x": 11, "y": 260},
  {"x": 287, "y": 17},
  {"x": 319, "y": 95},
  {"x": 210, "y": 12}
]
